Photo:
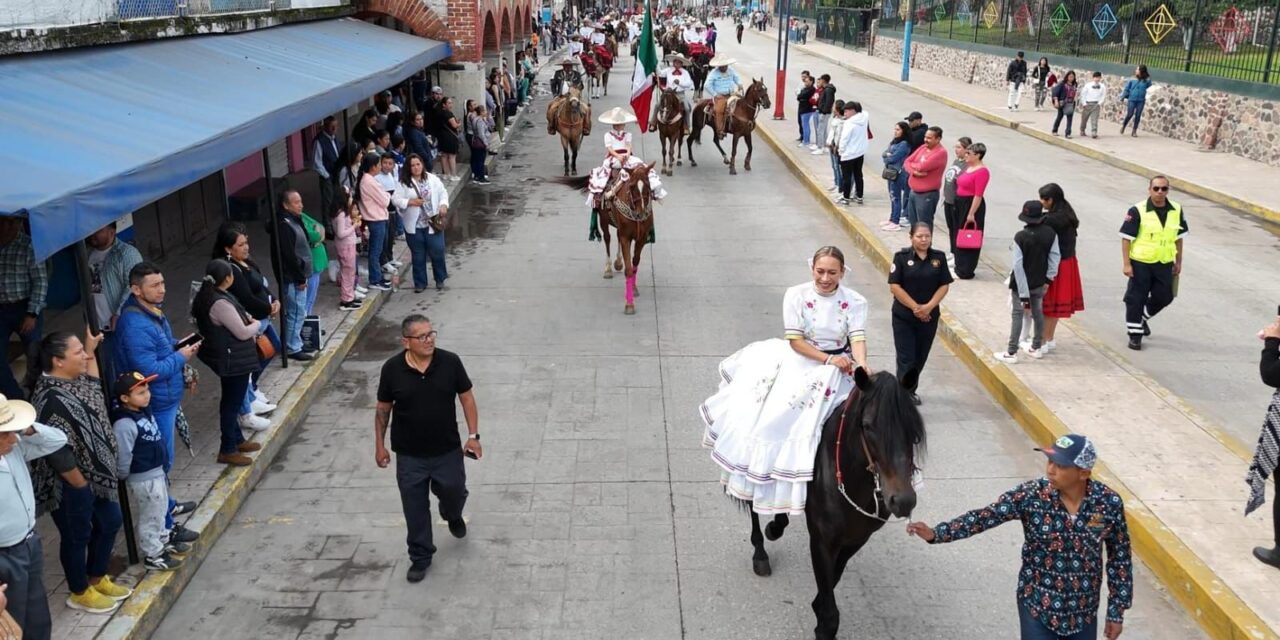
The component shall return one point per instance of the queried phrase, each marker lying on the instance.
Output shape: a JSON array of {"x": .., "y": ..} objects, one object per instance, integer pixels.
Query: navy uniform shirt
[{"x": 919, "y": 278}]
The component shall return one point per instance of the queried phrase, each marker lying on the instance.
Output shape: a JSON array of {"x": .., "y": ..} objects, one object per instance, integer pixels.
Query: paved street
[{"x": 595, "y": 513}]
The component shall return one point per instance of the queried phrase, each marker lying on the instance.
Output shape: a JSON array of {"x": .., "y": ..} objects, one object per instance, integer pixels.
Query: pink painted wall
[
  {"x": 297, "y": 159},
  {"x": 241, "y": 173}
]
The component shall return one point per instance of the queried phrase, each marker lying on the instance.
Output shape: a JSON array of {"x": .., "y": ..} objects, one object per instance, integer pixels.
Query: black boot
[
  {"x": 1135, "y": 342},
  {"x": 1267, "y": 556}
]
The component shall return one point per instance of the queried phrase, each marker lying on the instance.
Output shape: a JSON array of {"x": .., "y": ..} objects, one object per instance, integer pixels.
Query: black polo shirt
[
  {"x": 919, "y": 278},
  {"x": 424, "y": 416}
]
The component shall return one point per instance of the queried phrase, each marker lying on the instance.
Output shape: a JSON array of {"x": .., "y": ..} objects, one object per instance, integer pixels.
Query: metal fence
[
  {"x": 1198, "y": 36},
  {"x": 843, "y": 26}
]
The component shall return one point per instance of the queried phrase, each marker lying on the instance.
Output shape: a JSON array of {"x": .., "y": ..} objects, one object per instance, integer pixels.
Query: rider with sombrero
[
  {"x": 722, "y": 82},
  {"x": 618, "y": 160},
  {"x": 679, "y": 81},
  {"x": 567, "y": 76}
]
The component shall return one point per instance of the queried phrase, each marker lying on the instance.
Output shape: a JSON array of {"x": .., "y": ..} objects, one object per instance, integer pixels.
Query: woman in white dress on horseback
[
  {"x": 618, "y": 160},
  {"x": 765, "y": 422}
]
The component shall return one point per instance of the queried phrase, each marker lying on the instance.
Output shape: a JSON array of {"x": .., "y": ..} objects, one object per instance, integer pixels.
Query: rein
[{"x": 877, "y": 494}]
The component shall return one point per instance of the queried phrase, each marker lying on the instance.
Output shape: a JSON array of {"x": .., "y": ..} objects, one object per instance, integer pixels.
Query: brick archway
[
  {"x": 415, "y": 14},
  {"x": 490, "y": 40},
  {"x": 507, "y": 37}
]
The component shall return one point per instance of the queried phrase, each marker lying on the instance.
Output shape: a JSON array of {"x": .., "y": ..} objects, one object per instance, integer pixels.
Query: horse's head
[
  {"x": 758, "y": 93},
  {"x": 891, "y": 433},
  {"x": 669, "y": 99}
]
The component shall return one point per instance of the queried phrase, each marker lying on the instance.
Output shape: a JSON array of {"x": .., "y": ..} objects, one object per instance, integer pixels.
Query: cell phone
[
  {"x": 190, "y": 340},
  {"x": 470, "y": 454}
]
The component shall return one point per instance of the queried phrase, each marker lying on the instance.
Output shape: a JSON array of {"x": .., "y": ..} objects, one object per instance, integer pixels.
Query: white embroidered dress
[
  {"x": 765, "y": 423},
  {"x": 599, "y": 180}
]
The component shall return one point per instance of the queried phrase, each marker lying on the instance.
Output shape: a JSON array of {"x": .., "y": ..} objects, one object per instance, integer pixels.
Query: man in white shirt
[
  {"x": 1091, "y": 97},
  {"x": 598, "y": 38},
  {"x": 678, "y": 80},
  {"x": 852, "y": 149},
  {"x": 691, "y": 35},
  {"x": 575, "y": 46}
]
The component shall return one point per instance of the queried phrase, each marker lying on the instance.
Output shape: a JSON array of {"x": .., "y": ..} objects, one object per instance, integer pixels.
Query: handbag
[
  {"x": 266, "y": 350},
  {"x": 891, "y": 173},
  {"x": 1068, "y": 108},
  {"x": 9, "y": 629},
  {"x": 969, "y": 237}
]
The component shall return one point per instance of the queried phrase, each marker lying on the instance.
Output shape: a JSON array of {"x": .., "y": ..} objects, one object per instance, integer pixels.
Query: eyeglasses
[
  {"x": 430, "y": 335},
  {"x": 1164, "y": 188}
]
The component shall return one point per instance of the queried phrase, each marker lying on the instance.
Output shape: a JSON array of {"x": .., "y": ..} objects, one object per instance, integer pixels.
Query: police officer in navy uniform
[
  {"x": 918, "y": 279},
  {"x": 1151, "y": 242}
]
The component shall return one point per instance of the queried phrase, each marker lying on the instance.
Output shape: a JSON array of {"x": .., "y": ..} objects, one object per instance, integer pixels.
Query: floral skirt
[{"x": 765, "y": 423}]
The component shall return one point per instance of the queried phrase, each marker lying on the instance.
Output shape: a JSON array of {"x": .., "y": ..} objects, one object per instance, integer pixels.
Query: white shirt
[
  {"x": 1092, "y": 93},
  {"x": 598, "y": 37},
  {"x": 691, "y": 35},
  {"x": 834, "y": 128},
  {"x": 388, "y": 181},
  {"x": 434, "y": 195},
  {"x": 586, "y": 32},
  {"x": 678, "y": 80},
  {"x": 617, "y": 141},
  {"x": 17, "y": 497},
  {"x": 575, "y": 47},
  {"x": 853, "y": 137},
  {"x": 826, "y": 322}
]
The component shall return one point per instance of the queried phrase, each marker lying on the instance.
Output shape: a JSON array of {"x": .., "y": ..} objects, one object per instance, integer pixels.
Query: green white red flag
[{"x": 642, "y": 80}]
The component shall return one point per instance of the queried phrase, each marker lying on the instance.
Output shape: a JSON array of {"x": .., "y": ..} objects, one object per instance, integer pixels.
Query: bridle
[
  {"x": 877, "y": 494},
  {"x": 624, "y": 205}
]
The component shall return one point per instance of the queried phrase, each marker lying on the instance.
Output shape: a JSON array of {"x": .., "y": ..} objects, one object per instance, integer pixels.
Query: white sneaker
[
  {"x": 259, "y": 395},
  {"x": 813, "y": 147},
  {"x": 1049, "y": 347},
  {"x": 1034, "y": 353},
  {"x": 361, "y": 290},
  {"x": 892, "y": 227},
  {"x": 387, "y": 267},
  {"x": 254, "y": 423},
  {"x": 1007, "y": 358},
  {"x": 818, "y": 152},
  {"x": 396, "y": 263},
  {"x": 802, "y": 144},
  {"x": 358, "y": 296},
  {"x": 260, "y": 407}
]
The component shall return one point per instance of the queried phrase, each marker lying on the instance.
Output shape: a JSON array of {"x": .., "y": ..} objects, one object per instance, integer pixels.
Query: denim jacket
[{"x": 1135, "y": 90}]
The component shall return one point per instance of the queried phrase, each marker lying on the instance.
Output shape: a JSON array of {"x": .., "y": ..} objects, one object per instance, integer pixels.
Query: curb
[
  {"x": 1213, "y": 195},
  {"x": 1217, "y": 609}
]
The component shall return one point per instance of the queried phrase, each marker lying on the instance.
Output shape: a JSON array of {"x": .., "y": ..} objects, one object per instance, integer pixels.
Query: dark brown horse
[
  {"x": 861, "y": 477},
  {"x": 670, "y": 121},
  {"x": 740, "y": 122},
  {"x": 627, "y": 206},
  {"x": 570, "y": 117}
]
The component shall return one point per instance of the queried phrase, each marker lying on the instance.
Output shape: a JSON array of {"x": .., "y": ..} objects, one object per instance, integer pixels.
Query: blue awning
[{"x": 89, "y": 135}]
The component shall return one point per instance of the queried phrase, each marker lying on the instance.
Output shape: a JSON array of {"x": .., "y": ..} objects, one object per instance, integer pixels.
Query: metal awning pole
[{"x": 273, "y": 223}]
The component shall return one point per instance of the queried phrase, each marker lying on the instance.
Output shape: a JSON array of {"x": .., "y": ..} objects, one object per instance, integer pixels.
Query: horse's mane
[{"x": 896, "y": 424}]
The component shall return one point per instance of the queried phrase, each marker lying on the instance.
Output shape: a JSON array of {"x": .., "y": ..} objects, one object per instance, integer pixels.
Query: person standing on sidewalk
[
  {"x": 1068, "y": 521},
  {"x": 1064, "y": 100},
  {"x": 1016, "y": 75},
  {"x": 832, "y": 142},
  {"x": 918, "y": 129},
  {"x": 25, "y": 288},
  {"x": 417, "y": 389},
  {"x": 295, "y": 263},
  {"x": 826, "y": 102},
  {"x": 1266, "y": 457},
  {"x": 949, "y": 194},
  {"x": 1092, "y": 95},
  {"x": 853, "y": 151},
  {"x": 806, "y": 108},
  {"x": 1035, "y": 264},
  {"x": 971, "y": 206},
  {"x": 1045, "y": 80},
  {"x": 421, "y": 197},
  {"x": 924, "y": 168},
  {"x": 1134, "y": 94},
  {"x": 918, "y": 279},
  {"x": 1151, "y": 246},
  {"x": 373, "y": 211},
  {"x": 893, "y": 157},
  {"x": 481, "y": 134},
  {"x": 1066, "y": 293}
]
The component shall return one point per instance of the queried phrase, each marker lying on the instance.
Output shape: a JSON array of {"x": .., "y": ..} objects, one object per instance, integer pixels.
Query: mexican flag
[{"x": 646, "y": 65}]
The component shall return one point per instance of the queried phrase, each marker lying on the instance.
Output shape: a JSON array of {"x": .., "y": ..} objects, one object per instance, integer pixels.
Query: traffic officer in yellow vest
[{"x": 1151, "y": 242}]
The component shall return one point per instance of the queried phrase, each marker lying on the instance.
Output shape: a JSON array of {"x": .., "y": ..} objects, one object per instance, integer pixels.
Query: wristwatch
[{"x": 474, "y": 436}]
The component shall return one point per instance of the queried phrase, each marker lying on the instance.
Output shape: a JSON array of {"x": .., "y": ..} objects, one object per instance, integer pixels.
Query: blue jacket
[
  {"x": 145, "y": 343},
  {"x": 1135, "y": 90}
]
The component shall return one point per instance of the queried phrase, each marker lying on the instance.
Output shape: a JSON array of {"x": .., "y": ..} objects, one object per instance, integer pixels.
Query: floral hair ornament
[{"x": 847, "y": 268}]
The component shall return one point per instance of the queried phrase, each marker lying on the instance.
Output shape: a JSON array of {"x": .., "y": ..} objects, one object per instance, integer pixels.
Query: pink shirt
[
  {"x": 973, "y": 184},
  {"x": 344, "y": 232},
  {"x": 931, "y": 161},
  {"x": 373, "y": 199}
]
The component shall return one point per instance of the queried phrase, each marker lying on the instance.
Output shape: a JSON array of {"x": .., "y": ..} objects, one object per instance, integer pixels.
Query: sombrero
[
  {"x": 15, "y": 415},
  {"x": 722, "y": 62},
  {"x": 617, "y": 115},
  {"x": 572, "y": 62},
  {"x": 677, "y": 56}
]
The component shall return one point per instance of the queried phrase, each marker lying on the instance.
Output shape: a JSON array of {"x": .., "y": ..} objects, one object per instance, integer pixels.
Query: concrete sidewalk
[
  {"x": 1181, "y": 477},
  {"x": 1223, "y": 178}
]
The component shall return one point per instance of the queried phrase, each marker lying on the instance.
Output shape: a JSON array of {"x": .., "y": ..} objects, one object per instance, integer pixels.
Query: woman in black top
[
  {"x": 447, "y": 140},
  {"x": 918, "y": 279},
  {"x": 1066, "y": 293},
  {"x": 807, "y": 109},
  {"x": 228, "y": 350},
  {"x": 1264, "y": 459},
  {"x": 252, "y": 290}
]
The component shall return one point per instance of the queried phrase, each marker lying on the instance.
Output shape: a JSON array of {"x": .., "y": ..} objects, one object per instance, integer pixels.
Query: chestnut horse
[
  {"x": 670, "y": 121},
  {"x": 627, "y": 206},
  {"x": 861, "y": 477},
  {"x": 740, "y": 122},
  {"x": 569, "y": 116}
]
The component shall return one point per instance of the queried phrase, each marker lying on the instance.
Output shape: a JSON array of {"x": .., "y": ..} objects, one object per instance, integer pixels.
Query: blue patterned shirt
[{"x": 1061, "y": 577}]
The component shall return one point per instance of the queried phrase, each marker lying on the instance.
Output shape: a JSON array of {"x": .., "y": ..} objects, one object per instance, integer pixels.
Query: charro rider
[
  {"x": 568, "y": 76},
  {"x": 765, "y": 422},
  {"x": 680, "y": 82},
  {"x": 722, "y": 82},
  {"x": 618, "y": 160}
]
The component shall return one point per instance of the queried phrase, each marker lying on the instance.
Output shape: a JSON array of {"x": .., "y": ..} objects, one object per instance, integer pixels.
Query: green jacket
[{"x": 315, "y": 238}]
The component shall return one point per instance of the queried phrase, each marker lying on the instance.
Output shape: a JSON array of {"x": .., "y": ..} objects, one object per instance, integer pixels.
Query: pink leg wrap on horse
[{"x": 631, "y": 289}]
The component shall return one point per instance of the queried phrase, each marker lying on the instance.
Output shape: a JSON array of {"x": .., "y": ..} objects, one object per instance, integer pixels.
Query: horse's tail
[
  {"x": 578, "y": 183},
  {"x": 699, "y": 120}
]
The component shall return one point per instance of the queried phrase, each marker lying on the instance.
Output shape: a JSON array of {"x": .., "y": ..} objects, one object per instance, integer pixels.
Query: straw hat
[
  {"x": 677, "y": 56},
  {"x": 722, "y": 62},
  {"x": 617, "y": 115},
  {"x": 16, "y": 415}
]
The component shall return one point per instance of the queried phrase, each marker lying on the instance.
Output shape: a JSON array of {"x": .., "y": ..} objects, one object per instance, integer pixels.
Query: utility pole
[
  {"x": 906, "y": 40},
  {"x": 784, "y": 45}
]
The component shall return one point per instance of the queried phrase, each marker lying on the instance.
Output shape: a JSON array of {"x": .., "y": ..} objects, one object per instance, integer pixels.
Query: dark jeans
[
  {"x": 425, "y": 246},
  {"x": 388, "y": 247},
  {"x": 442, "y": 475},
  {"x": 478, "y": 155},
  {"x": 1133, "y": 110},
  {"x": 1032, "y": 629},
  {"x": 233, "y": 390},
  {"x": 88, "y": 526},
  {"x": 921, "y": 207},
  {"x": 912, "y": 340},
  {"x": 1150, "y": 290},
  {"x": 22, "y": 568},
  {"x": 11, "y": 317},
  {"x": 851, "y": 176},
  {"x": 1063, "y": 114},
  {"x": 377, "y": 242}
]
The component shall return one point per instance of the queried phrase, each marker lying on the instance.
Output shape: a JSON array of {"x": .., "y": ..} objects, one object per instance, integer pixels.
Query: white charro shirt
[{"x": 678, "y": 80}]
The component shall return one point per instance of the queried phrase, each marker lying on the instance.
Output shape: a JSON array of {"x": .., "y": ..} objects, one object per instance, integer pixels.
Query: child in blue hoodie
[{"x": 141, "y": 462}]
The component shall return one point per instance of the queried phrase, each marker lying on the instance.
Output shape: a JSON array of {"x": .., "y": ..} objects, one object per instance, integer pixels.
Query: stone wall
[{"x": 1246, "y": 126}]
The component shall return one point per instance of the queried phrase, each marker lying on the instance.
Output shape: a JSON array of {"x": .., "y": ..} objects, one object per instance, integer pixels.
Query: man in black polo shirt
[{"x": 416, "y": 392}]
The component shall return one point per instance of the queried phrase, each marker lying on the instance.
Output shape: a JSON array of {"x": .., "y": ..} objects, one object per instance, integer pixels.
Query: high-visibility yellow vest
[{"x": 1156, "y": 244}]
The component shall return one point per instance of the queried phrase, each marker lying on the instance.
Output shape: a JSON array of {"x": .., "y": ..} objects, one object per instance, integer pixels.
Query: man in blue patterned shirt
[
  {"x": 24, "y": 284},
  {"x": 1067, "y": 519}
]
